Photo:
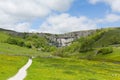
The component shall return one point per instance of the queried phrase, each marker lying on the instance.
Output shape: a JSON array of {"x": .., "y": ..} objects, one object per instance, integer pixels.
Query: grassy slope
[
  {"x": 3, "y": 36},
  {"x": 115, "y": 56},
  {"x": 112, "y": 57},
  {"x": 17, "y": 50},
  {"x": 9, "y": 65},
  {"x": 106, "y": 39},
  {"x": 69, "y": 69},
  {"x": 14, "y": 49}
]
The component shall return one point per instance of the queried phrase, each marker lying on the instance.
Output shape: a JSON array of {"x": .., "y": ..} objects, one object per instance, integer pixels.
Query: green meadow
[
  {"x": 3, "y": 36},
  {"x": 9, "y": 65},
  {"x": 9, "y": 49},
  {"x": 91, "y": 55},
  {"x": 72, "y": 69},
  {"x": 114, "y": 56}
]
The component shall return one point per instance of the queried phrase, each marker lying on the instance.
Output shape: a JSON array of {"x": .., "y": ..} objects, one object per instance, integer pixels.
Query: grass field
[
  {"x": 3, "y": 36},
  {"x": 114, "y": 56},
  {"x": 17, "y": 50},
  {"x": 70, "y": 69},
  {"x": 9, "y": 65}
]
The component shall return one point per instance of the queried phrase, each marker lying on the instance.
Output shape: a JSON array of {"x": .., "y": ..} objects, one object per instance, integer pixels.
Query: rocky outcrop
[{"x": 67, "y": 38}]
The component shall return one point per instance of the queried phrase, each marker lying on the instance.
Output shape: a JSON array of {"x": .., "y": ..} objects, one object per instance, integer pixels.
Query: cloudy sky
[{"x": 58, "y": 16}]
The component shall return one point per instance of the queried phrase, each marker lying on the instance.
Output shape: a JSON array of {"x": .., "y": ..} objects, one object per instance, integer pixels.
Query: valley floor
[
  {"x": 59, "y": 69},
  {"x": 71, "y": 69}
]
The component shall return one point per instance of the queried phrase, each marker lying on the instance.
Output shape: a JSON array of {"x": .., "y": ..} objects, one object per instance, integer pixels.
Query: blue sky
[
  {"x": 82, "y": 7},
  {"x": 56, "y": 16}
]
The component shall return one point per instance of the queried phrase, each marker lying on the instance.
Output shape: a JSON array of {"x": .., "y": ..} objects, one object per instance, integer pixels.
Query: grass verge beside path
[
  {"x": 71, "y": 69},
  {"x": 17, "y": 50},
  {"x": 9, "y": 65}
]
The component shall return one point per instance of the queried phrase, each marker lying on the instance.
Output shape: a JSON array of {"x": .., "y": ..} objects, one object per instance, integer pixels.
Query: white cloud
[
  {"x": 109, "y": 18},
  {"x": 33, "y": 8},
  {"x": 114, "y": 4},
  {"x": 112, "y": 18},
  {"x": 57, "y": 5},
  {"x": 15, "y": 11},
  {"x": 65, "y": 23},
  {"x": 20, "y": 27}
]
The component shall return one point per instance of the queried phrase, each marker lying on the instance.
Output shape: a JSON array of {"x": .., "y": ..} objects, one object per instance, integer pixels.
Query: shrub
[
  {"x": 58, "y": 52},
  {"x": 86, "y": 45},
  {"x": 105, "y": 50},
  {"x": 49, "y": 48},
  {"x": 15, "y": 41},
  {"x": 28, "y": 44}
]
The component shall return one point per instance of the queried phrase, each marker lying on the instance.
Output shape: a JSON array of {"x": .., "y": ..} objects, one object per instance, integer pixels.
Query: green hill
[
  {"x": 16, "y": 45},
  {"x": 103, "y": 44},
  {"x": 3, "y": 36},
  {"x": 111, "y": 37}
]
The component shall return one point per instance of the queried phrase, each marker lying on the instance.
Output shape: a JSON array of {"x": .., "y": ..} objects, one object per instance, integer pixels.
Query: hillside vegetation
[
  {"x": 103, "y": 43},
  {"x": 17, "y": 45},
  {"x": 111, "y": 37},
  {"x": 3, "y": 36},
  {"x": 32, "y": 41}
]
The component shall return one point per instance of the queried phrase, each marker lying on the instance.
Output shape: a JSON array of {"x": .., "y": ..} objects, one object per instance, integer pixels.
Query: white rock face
[
  {"x": 64, "y": 41},
  {"x": 21, "y": 74}
]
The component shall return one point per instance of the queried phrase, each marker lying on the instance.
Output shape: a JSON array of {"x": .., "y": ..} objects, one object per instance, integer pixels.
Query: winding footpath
[{"x": 21, "y": 74}]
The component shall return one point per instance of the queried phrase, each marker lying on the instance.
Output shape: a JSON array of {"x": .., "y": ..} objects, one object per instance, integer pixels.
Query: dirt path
[{"x": 21, "y": 74}]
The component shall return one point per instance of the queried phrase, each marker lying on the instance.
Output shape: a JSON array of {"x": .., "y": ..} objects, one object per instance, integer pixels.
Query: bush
[
  {"x": 28, "y": 44},
  {"x": 61, "y": 52},
  {"x": 105, "y": 50},
  {"x": 58, "y": 52},
  {"x": 11, "y": 41},
  {"x": 15, "y": 41},
  {"x": 86, "y": 45},
  {"x": 49, "y": 48}
]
